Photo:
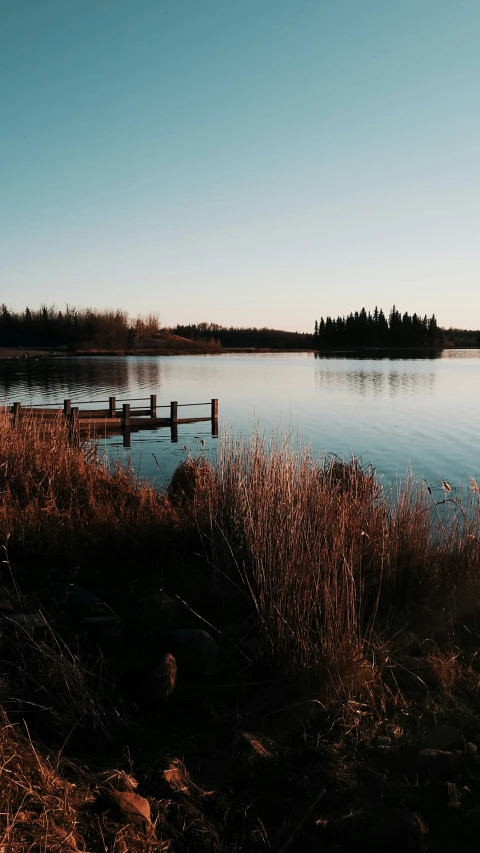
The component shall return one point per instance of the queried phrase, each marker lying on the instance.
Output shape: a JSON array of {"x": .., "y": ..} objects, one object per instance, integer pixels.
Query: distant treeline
[
  {"x": 230, "y": 336},
  {"x": 81, "y": 329},
  {"x": 74, "y": 328},
  {"x": 376, "y": 330},
  {"x": 461, "y": 338}
]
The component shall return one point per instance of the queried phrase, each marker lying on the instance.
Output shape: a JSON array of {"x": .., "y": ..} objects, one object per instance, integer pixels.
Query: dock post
[
  {"x": 67, "y": 408},
  {"x": 174, "y": 432},
  {"x": 16, "y": 413},
  {"x": 215, "y": 418},
  {"x": 127, "y": 441},
  {"x": 153, "y": 405},
  {"x": 173, "y": 412},
  {"x": 126, "y": 414},
  {"x": 73, "y": 424},
  {"x": 112, "y": 407}
]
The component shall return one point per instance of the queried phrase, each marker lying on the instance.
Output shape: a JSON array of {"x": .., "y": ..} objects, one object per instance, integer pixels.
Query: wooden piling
[
  {"x": 115, "y": 419},
  {"x": 73, "y": 424}
]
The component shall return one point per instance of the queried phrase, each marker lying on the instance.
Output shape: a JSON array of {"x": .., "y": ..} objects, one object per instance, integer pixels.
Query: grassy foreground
[{"x": 341, "y": 707}]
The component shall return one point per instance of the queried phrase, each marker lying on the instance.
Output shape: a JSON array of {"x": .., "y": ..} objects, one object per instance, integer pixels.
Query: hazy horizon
[{"x": 248, "y": 164}]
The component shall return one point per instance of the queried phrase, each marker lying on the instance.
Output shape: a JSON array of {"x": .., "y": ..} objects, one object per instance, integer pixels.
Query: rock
[
  {"x": 471, "y": 748},
  {"x": 157, "y": 685},
  {"x": 383, "y": 741},
  {"x": 444, "y": 737},
  {"x": 100, "y": 627},
  {"x": 129, "y": 656},
  {"x": 125, "y": 807},
  {"x": 438, "y": 764},
  {"x": 79, "y": 603},
  {"x": 251, "y": 749},
  {"x": 57, "y": 578},
  {"x": 193, "y": 649},
  {"x": 6, "y": 606},
  {"x": 399, "y": 831},
  {"x": 31, "y": 622},
  {"x": 414, "y": 649},
  {"x": 157, "y": 612},
  {"x": 111, "y": 597},
  {"x": 432, "y": 799}
]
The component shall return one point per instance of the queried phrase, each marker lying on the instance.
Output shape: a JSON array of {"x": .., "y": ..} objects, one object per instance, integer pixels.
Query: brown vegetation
[
  {"x": 90, "y": 330},
  {"x": 347, "y": 620}
]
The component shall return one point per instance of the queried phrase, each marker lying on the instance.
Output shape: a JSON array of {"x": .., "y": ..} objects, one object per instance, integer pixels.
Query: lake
[{"x": 394, "y": 412}]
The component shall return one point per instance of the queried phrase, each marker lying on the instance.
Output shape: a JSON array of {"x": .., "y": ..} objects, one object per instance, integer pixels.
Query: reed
[
  {"x": 331, "y": 564},
  {"x": 315, "y": 552},
  {"x": 67, "y": 500},
  {"x": 332, "y": 576}
]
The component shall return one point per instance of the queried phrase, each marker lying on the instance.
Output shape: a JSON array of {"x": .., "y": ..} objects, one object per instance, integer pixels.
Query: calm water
[{"x": 393, "y": 412}]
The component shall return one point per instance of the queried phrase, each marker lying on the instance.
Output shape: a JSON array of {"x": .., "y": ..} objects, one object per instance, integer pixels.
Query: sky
[{"x": 244, "y": 162}]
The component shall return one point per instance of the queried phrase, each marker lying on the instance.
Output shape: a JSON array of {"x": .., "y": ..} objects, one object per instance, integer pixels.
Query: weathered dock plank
[{"x": 117, "y": 418}]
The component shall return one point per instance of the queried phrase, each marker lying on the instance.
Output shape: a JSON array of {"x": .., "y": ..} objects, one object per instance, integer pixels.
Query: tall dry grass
[
  {"x": 64, "y": 499},
  {"x": 324, "y": 562},
  {"x": 327, "y": 560}
]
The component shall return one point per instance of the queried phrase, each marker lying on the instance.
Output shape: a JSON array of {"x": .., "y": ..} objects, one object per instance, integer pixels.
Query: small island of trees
[{"x": 376, "y": 330}]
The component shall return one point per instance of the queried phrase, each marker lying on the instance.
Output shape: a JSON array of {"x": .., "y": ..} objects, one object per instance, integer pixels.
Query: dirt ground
[{"x": 20, "y": 352}]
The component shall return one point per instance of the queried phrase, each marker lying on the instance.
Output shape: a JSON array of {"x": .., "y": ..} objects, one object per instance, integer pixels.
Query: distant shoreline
[{"x": 17, "y": 353}]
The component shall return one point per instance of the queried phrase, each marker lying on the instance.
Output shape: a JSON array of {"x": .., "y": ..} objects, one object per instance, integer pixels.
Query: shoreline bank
[
  {"x": 258, "y": 634},
  {"x": 17, "y": 353}
]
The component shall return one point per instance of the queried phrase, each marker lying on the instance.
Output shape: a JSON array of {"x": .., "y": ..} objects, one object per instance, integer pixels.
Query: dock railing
[{"x": 120, "y": 415}]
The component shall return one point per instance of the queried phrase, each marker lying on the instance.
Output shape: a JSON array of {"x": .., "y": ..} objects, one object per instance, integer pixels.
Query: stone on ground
[
  {"x": 193, "y": 649},
  {"x": 157, "y": 612},
  {"x": 444, "y": 737},
  {"x": 125, "y": 807},
  {"x": 398, "y": 832},
  {"x": 156, "y": 685}
]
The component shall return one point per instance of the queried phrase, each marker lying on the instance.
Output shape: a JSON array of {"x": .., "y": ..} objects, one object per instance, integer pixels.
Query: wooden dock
[{"x": 120, "y": 416}]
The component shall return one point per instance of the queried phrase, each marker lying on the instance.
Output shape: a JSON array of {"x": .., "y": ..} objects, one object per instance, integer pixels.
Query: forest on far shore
[
  {"x": 96, "y": 330},
  {"x": 376, "y": 330}
]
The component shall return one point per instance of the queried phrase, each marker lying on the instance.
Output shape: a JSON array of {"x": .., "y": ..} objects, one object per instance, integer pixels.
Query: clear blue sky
[{"x": 247, "y": 162}]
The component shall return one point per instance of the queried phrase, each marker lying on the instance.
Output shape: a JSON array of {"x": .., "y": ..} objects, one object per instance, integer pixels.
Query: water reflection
[
  {"x": 375, "y": 382},
  {"x": 145, "y": 374},
  {"x": 394, "y": 411},
  {"x": 90, "y": 379},
  {"x": 382, "y": 355},
  {"x": 461, "y": 353}
]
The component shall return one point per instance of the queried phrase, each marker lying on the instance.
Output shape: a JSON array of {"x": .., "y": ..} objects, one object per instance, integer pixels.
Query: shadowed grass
[
  {"x": 328, "y": 561},
  {"x": 360, "y": 608},
  {"x": 62, "y": 499}
]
